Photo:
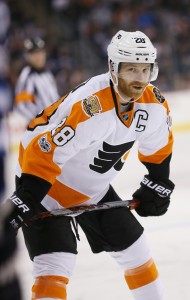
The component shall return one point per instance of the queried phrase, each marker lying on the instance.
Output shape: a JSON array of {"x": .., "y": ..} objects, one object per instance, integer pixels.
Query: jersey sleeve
[
  {"x": 45, "y": 155},
  {"x": 155, "y": 147}
]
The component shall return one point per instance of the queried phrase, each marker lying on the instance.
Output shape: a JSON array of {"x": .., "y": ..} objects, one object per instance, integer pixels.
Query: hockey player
[
  {"x": 70, "y": 153},
  {"x": 36, "y": 87}
]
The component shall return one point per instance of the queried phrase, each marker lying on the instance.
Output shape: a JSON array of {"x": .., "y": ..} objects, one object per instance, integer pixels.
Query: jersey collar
[{"x": 125, "y": 117}]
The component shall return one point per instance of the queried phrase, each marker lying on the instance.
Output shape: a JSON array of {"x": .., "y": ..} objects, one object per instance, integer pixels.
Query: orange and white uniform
[
  {"x": 81, "y": 141},
  {"x": 69, "y": 155}
]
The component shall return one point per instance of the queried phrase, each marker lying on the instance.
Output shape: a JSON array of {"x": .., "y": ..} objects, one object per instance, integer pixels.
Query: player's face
[
  {"x": 37, "y": 59},
  {"x": 132, "y": 79}
]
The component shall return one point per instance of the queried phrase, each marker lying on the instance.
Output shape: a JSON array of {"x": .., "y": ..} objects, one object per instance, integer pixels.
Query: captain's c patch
[{"x": 91, "y": 105}]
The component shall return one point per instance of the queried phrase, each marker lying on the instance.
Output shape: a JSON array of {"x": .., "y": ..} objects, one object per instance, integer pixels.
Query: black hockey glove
[
  {"x": 24, "y": 207},
  {"x": 154, "y": 196},
  {"x": 26, "y": 200}
]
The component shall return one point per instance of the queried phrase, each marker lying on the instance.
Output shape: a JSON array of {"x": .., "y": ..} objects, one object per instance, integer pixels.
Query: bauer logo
[
  {"x": 91, "y": 106},
  {"x": 45, "y": 146},
  {"x": 142, "y": 54},
  {"x": 17, "y": 201},
  {"x": 161, "y": 190}
]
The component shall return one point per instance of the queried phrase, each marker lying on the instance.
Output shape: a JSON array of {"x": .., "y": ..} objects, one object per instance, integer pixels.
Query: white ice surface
[{"x": 98, "y": 276}]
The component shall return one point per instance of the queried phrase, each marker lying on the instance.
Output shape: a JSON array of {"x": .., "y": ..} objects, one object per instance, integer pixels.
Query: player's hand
[
  {"x": 153, "y": 196},
  {"x": 24, "y": 207}
]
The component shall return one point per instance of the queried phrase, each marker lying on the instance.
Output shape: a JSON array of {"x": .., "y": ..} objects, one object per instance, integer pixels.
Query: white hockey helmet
[{"x": 133, "y": 47}]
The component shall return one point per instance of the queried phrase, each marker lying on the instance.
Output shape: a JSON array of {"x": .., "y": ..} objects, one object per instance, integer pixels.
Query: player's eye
[
  {"x": 132, "y": 69},
  {"x": 146, "y": 70}
]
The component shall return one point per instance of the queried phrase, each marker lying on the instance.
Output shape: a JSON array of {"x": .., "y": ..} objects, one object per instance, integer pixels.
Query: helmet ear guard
[
  {"x": 154, "y": 71},
  {"x": 113, "y": 73}
]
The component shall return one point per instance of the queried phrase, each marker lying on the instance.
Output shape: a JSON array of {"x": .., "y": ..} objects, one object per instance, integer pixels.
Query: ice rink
[{"x": 98, "y": 276}]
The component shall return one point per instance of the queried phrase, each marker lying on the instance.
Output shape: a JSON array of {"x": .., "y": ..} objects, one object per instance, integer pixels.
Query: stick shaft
[{"x": 86, "y": 208}]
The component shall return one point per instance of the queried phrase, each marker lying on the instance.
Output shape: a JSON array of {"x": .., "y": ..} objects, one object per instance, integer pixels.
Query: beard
[{"x": 132, "y": 90}]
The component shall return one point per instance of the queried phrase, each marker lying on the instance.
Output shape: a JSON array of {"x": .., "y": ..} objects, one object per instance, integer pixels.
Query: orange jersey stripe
[
  {"x": 43, "y": 119},
  {"x": 104, "y": 95},
  {"x": 50, "y": 287},
  {"x": 75, "y": 117},
  {"x": 65, "y": 195},
  {"x": 142, "y": 275},
  {"x": 52, "y": 170},
  {"x": 160, "y": 155},
  {"x": 149, "y": 97},
  {"x": 29, "y": 166},
  {"x": 24, "y": 97}
]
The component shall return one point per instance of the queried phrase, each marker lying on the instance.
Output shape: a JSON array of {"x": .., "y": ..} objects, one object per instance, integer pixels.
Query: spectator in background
[
  {"x": 83, "y": 29},
  {"x": 5, "y": 106},
  {"x": 9, "y": 284},
  {"x": 36, "y": 87},
  {"x": 4, "y": 22}
]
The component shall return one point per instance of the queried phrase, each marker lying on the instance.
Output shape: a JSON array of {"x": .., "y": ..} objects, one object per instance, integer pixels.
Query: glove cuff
[{"x": 21, "y": 211}]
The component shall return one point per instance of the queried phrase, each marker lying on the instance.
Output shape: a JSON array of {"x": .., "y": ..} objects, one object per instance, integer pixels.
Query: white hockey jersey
[{"x": 81, "y": 142}]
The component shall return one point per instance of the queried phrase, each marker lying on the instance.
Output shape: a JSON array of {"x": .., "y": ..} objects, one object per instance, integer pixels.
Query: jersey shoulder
[
  {"x": 152, "y": 94},
  {"x": 94, "y": 94},
  {"x": 90, "y": 86}
]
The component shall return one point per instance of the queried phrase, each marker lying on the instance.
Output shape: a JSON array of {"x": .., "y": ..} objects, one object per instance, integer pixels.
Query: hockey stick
[{"x": 132, "y": 204}]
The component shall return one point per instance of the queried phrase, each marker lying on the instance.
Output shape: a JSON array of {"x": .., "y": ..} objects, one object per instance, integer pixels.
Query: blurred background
[{"x": 77, "y": 34}]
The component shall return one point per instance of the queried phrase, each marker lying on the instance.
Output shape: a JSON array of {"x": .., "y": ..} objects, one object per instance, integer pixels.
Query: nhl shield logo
[
  {"x": 125, "y": 117},
  {"x": 45, "y": 146}
]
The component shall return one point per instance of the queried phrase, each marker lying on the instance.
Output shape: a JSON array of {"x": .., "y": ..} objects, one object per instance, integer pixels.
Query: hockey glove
[
  {"x": 154, "y": 196},
  {"x": 23, "y": 208}
]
